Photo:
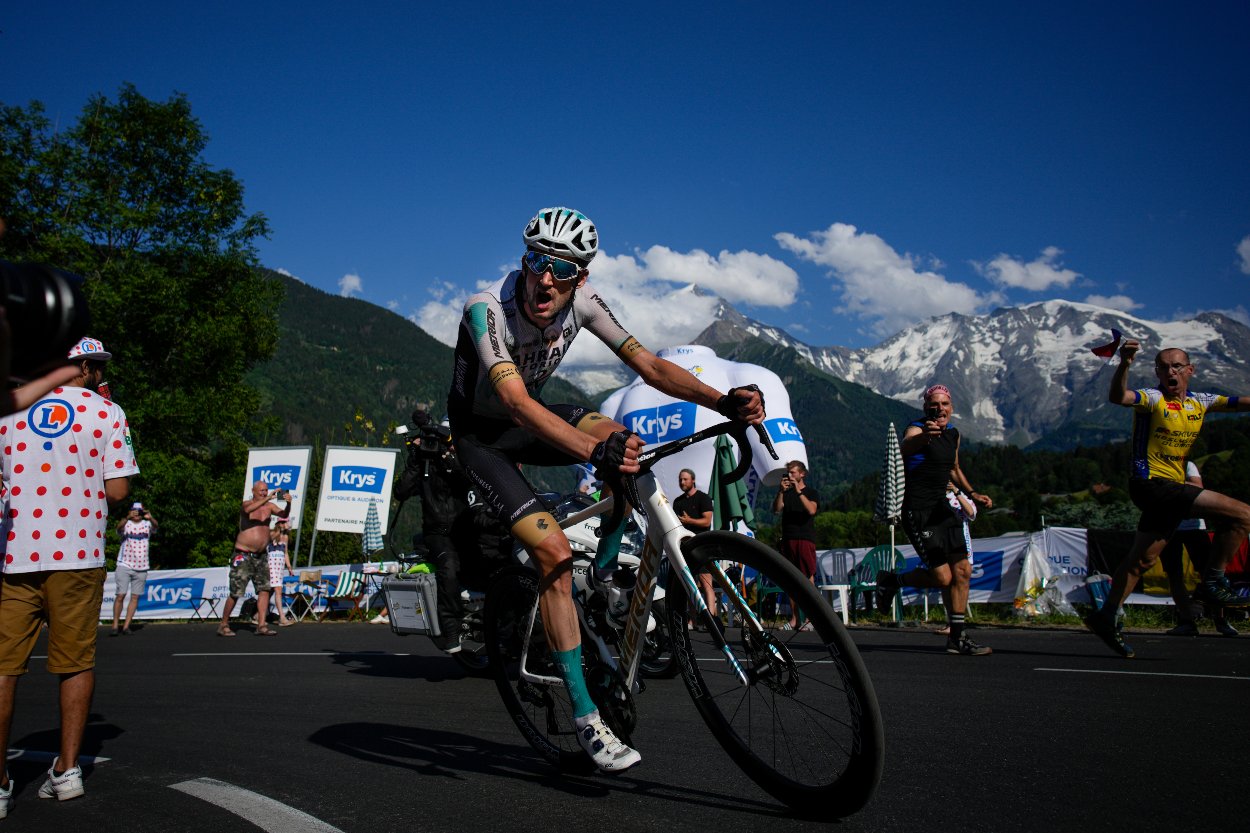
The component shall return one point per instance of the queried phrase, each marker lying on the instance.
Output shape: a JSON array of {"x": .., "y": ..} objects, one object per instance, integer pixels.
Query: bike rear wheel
[
  {"x": 541, "y": 711},
  {"x": 806, "y": 725}
]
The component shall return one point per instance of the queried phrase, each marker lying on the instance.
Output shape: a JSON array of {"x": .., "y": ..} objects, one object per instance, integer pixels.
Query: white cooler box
[{"x": 412, "y": 601}]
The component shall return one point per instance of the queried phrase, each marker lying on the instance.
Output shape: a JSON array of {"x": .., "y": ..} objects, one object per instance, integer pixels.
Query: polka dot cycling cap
[{"x": 90, "y": 348}]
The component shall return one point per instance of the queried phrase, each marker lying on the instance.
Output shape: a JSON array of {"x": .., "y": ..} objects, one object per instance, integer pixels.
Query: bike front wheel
[
  {"x": 802, "y": 719},
  {"x": 542, "y": 711}
]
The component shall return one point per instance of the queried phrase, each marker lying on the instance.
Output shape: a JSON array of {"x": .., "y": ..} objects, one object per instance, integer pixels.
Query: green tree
[{"x": 124, "y": 198}]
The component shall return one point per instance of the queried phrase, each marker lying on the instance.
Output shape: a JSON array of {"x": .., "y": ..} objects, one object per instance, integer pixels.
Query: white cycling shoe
[{"x": 603, "y": 747}]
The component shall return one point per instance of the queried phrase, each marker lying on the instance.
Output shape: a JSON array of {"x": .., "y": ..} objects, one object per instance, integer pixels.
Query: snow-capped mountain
[{"x": 1019, "y": 372}]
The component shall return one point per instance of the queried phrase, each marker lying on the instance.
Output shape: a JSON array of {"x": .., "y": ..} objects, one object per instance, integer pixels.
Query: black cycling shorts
[
  {"x": 1163, "y": 504},
  {"x": 490, "y": 451},
  {"x": 936, "y": 534}
]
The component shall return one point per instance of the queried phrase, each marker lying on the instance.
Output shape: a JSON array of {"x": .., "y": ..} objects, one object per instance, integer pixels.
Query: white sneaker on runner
[
  {"x": 6, "y": 797},
  {"x": 608, "y": 753},
  {"x": 62, "y": 787}
]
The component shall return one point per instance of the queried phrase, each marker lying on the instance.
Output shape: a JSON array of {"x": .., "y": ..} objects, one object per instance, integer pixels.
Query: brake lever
[{"x": 765, "y": 440}]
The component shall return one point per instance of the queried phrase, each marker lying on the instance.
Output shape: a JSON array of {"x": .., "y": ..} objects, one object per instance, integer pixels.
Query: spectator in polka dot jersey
[{"x": 63, "y": 460}]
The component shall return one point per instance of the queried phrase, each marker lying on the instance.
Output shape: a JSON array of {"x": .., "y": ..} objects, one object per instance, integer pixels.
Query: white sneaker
[
  {"x": 608, "y": 753},
  {"x": 380, "y": 620},
  {"x": 62, "y": 787},
  {"x": 6, "y": 797}
]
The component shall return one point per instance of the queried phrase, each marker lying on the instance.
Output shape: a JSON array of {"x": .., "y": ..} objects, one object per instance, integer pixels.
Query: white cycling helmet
[{"x": 563, "y": 232}]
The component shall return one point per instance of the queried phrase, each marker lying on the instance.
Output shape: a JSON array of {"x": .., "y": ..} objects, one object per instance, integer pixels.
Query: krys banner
[
  {"x": 280, "y": 468},
  {"x": 350, "y": 480}
]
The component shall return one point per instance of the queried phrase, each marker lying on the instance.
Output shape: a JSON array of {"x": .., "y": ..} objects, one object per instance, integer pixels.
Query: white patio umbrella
[
  {"x": 371, "y": 541},
  {"x": 889, "y": 506}
]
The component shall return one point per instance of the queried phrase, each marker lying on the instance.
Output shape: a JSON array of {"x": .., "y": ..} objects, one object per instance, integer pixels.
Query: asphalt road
[{"x": 347, "y": 727}]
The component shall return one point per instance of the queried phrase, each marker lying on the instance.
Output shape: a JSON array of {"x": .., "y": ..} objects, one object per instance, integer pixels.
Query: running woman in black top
[{"x": 512, "y": 338}]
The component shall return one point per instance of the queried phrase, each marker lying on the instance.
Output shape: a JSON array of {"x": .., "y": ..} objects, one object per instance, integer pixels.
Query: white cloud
[
  {"x": 1121, "y": 302},
  {"x": 350, "y": 284},
  {"x": 1243, "y": 252},
  {"x": 738, "y": 277},
  {"x": 440, "y": 316},
  {"x": 1237, "y": 313},
  {"x": 640, "y": 290},
  {"x": 392, "y": 305},
  {"x": 1036, "y": 275},
  {"x": 878, "y": 283}
]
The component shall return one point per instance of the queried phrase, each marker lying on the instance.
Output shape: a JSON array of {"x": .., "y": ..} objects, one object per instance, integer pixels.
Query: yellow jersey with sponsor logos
[{"x": 1164, "y": 430}]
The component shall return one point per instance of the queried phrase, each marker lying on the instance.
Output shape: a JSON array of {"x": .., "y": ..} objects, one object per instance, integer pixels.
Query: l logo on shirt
[{"x": 50, "y": 417}]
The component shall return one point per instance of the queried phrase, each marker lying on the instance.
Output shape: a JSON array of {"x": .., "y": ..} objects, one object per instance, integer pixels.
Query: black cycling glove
[
  {"x": 727, "y": 405},
  {"x": 609, "y": 455}
]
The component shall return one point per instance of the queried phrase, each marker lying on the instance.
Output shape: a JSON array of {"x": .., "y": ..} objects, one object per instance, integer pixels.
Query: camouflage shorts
[{"x": 245, "y": 567}]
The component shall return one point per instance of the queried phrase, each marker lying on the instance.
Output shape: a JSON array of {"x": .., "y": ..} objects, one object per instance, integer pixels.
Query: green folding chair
[{"x": 863, "y": 577}]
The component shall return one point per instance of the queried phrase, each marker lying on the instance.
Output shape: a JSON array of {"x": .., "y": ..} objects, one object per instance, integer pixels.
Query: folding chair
[
  {"x": 863, "y": 578},
  {"x": 308, "y": 591},
  {"x": 836, "y": 580},
  {"x": 349, "y": 587},
  {"x": 197, "y": 609}
]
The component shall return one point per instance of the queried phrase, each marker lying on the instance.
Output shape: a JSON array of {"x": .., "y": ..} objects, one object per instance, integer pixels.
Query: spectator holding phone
[
  {"x": 250, "y": 559},
  {"x": 798, "y": 503},
  {"x": 131, "y": 575}
]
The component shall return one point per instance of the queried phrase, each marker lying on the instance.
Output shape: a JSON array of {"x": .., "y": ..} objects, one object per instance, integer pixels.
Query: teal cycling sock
[
  {"x": 609, "y": 548},
  {"x": 569, "y": 667}
]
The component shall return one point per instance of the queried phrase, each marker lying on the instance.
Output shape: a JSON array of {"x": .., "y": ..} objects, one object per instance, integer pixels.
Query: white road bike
[{"x": 795, "y": 709}]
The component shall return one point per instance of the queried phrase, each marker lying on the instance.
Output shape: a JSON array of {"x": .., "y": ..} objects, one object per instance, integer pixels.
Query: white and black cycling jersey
[{"x": 495, "y": 329}]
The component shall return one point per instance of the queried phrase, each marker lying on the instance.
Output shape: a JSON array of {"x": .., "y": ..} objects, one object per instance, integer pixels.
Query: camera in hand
[
  {"x": 47, "y": 315},
  {"x": 431, "y": 439},
  {"x": 428, "y": 443}
]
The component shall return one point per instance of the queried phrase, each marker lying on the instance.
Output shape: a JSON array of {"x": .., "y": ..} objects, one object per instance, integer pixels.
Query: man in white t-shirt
[
  {"x": 63, "y": 460},
  {"x": 131, "y": 575}
]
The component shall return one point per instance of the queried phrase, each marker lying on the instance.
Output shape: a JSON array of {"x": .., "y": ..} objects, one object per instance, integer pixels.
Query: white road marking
[
  {"x": 1142, "y": 673},
  {"x": 294, "y": 654},
  {"x": 260, "y": 810}
]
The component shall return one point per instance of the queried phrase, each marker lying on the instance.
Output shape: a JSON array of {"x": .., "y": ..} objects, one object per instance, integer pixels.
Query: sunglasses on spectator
[{"x": 561, "y": 270}]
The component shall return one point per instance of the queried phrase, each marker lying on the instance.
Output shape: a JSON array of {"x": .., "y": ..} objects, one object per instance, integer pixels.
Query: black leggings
[{"x": 490, "y": 451}]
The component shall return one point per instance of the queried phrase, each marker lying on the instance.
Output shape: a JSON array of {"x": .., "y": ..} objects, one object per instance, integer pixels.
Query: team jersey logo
[{"x": 50, "y": 418}]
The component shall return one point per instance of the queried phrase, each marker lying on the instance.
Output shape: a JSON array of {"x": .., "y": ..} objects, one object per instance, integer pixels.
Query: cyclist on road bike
[{"x": 512, "y": 338}]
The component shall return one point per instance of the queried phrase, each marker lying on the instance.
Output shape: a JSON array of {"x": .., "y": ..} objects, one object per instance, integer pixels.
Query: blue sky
[{"x": 840, "y": 170}]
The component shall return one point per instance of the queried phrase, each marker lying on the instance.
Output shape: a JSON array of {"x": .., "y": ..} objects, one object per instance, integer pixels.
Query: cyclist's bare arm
[
  {"x": 1119, "y": 393},
  {"x": 667, "y": 377},
  {"x": 531, "y": 415}
]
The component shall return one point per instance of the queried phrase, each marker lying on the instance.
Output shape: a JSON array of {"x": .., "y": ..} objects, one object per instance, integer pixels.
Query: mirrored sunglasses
[{"x": 561, "y": 270}]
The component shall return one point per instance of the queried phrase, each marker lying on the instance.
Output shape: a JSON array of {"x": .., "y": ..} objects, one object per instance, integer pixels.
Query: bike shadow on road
[
  {"x": 437, "y": 753},
  {"x": 29, "y": 770},
  {"x": 435, "y": 669}
]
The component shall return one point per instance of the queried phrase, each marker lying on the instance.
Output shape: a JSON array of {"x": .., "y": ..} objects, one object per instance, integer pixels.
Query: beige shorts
[{"x": 68, "y": 600}]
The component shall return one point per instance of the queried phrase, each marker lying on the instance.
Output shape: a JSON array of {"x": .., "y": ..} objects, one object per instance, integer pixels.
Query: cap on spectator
[
  {"x": 136, "y": 505},
  {"x": 90, "y": 348}
]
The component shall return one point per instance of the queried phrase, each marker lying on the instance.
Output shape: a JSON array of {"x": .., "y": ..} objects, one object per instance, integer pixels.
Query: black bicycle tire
[
  {"x": 503, "y": 592},
  {"x": 667, "y": 667},
  {"x": 854, "y": 785}
]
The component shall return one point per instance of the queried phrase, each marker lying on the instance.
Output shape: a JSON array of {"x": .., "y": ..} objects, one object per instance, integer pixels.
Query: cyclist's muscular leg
[{"x": 547, "y": 545}]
